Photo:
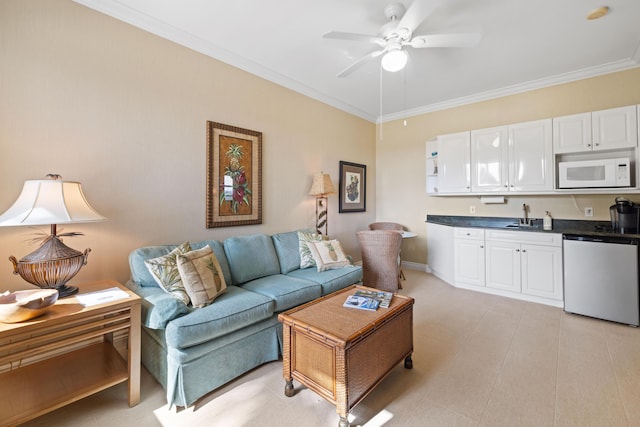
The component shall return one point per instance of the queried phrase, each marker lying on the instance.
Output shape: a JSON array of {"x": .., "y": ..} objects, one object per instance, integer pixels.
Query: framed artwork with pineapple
[
  {"x": 234, "y": 176},
  {"x": 353, "y": 187}
]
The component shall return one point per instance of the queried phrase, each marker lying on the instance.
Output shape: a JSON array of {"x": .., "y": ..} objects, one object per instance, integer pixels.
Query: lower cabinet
[
  {"x": 520, "y": 264},
  {"x": 503, "y": 266},
  {"x": 469, "y": 261},
  {"x": 525, "y": 262},
  {"x": 542, "y": 271}
]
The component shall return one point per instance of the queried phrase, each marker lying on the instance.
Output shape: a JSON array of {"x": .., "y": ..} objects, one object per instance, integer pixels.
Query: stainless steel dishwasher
[{"x": 601, "y": 277}]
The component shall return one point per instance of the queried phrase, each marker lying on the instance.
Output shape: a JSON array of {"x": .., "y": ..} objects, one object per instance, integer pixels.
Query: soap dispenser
[{"x": 546, "y": 221}]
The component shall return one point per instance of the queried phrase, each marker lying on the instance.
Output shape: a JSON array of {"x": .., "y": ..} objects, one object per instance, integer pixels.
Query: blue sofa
[{"x": 192, "y": 351}]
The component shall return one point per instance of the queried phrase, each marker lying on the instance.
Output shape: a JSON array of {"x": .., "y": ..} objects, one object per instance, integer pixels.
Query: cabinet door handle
[
  {"x": 481, "y": 246},
  {"x": 524, "y": 250},
  {"x": 517, "y": 250}
]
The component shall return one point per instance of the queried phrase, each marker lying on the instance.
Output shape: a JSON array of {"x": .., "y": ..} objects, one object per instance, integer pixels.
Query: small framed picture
[{"x": 353, "y": 187}]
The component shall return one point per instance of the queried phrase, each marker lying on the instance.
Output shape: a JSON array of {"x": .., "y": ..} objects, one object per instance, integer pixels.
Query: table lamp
[
  {"x": 51, "y": 201},
  {"x": 321, "y": 187}
]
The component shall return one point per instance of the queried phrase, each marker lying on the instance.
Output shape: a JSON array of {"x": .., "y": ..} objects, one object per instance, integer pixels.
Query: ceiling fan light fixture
[{"x": 394, "y": 60}]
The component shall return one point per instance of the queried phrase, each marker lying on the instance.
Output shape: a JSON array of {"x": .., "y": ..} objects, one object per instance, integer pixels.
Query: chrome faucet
[{"x": 525, "y": 221}]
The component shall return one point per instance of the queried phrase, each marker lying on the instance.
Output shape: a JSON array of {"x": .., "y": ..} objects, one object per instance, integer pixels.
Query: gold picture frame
[{"x": 234, "y": 176}]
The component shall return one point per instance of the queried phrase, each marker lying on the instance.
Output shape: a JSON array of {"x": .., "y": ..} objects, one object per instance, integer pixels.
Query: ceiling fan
[{"x": 398, "y": 33}]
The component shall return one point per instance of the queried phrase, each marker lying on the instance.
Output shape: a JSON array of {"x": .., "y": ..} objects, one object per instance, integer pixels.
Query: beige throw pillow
[
  {"x": 201, "y": 275},
  {"x": 328, "y": 255},
  {"x": 165, "y": 272}
]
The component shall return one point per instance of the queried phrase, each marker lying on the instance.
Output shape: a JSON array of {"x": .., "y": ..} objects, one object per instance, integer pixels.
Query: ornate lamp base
[{"x": 51, "y": 266}]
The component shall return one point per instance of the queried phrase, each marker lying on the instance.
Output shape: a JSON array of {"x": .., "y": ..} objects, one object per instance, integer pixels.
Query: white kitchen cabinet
[
  {"x": 572, "y": 134},
  {"x": 490, "y": 159},
  {"x": 454, "y": 163},
  {"x": 503, "y": 266},
  {"x": 469, "y": 260},
  {"x": 514, "y": 158},
  {"x": 525, "y": 262},
  {"x": 614, "y": 128},
  {"x": 610, "y": 129},
  {"x": 525, "y": 265},
  {"x": 440, "y": 251},
  {"x": 531, "y": 156},
  {"x": 542, "y": 271}
]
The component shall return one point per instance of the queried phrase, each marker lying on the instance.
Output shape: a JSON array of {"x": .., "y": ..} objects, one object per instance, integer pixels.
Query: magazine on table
[
  {"x": 382, "y": 296},
  {"x": 363, "y": 303}
]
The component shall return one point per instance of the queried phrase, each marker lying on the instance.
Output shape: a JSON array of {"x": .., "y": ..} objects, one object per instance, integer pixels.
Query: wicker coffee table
[{"x": 343, "y": 353}]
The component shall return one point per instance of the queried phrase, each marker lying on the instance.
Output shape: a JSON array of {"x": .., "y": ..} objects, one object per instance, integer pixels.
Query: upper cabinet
[
  {"x": 572, "y": 133},
  {"x": 454, "y": 163},
  {"x": 490, "y": 159},
  {"x": 614, "y": 128},
  {"x": 514, "y": 158},
  {"x": 611, "y": 129},
  {"x": 524, "y": 157},
  {"x": 531, "y": 156}
]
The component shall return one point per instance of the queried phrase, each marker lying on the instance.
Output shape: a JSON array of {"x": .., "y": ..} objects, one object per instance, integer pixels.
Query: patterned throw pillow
[
  {"x": 165, "y": 271},
  {"x": 202, "y": 276},
  {"x": 304, "y": 237},
  {"x": 328, "y": 255}
]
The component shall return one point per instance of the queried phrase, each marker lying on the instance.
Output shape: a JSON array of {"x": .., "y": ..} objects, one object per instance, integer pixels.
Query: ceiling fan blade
[
  {"x": 360, "y": 62},
  {"x": 417, "y": 12},
  {"x": 445, "y": 40},
  {"x": 353, "y": 36}
]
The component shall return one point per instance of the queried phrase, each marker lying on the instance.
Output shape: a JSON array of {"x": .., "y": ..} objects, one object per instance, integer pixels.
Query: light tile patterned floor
[{"x": 479, "y": 360}]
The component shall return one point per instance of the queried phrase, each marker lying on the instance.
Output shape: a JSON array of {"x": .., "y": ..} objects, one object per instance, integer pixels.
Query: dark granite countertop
[{"x": 560, "y": 226}]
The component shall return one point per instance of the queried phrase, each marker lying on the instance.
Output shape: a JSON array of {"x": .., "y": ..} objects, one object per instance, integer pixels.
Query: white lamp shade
[
  {"x": 321, "y": 185},
  {"x": 394, "y": 60},
  {"x": 50, "y": 202}
]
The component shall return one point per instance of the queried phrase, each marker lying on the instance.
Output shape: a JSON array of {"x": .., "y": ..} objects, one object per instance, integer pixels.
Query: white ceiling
[{"x": 525, "y": 44}]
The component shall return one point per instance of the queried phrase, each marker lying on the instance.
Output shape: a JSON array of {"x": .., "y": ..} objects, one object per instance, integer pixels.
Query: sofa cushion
[
  {"x": 164, "y": 270},
  {"x": 201, "y": 276},
  {"x": 328, "y": 255},
  {"x": 330, "y": 280},
  {"x": 251, "y": 257},
  {"x": 235, "y": 309},
  {"x": 285, "y": 291},
  {"x": 287, "y": 248}
]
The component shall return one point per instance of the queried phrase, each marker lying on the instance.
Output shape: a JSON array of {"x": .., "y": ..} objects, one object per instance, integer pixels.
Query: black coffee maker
[{"x": 624, "y": 216}]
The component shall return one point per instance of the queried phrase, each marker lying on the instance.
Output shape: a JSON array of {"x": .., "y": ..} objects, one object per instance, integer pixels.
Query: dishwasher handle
[{"x": 621, "y": 240}]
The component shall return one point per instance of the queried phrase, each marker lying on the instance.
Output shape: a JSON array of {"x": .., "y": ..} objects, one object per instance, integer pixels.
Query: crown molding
[{"x": 133, "y": 17}]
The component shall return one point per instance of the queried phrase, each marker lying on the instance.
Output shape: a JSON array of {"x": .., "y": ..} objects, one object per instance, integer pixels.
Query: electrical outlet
[
  {"x": 588, "y": 211},
  {"x": 472, "y": 209}
]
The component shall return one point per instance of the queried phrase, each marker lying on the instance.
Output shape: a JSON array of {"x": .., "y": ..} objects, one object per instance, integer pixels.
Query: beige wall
[
  {"x": 401, "y": 154},
  {"x": 124, "y": 112}
]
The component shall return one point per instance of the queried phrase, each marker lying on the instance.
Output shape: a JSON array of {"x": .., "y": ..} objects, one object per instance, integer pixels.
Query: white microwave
[{"x": 595, "y": 173}]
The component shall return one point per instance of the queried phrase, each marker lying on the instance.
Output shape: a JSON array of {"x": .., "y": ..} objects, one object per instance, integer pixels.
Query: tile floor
[{"x": 479, "y": 360}]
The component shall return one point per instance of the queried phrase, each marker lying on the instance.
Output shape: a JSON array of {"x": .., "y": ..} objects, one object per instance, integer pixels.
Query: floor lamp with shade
[
  {"x": 321, "y": 188},
  {"x": 51, "y": 201}
]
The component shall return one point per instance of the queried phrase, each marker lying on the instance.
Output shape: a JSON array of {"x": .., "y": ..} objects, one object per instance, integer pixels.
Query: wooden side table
[{"x": 67, "y": 354}]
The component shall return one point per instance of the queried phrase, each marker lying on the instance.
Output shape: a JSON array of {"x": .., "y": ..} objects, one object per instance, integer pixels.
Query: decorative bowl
[{"x": 19, "y": 306}]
